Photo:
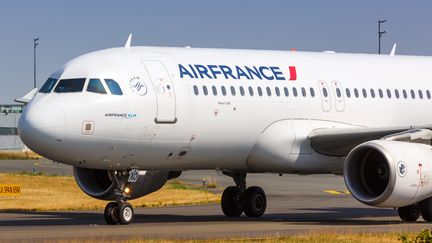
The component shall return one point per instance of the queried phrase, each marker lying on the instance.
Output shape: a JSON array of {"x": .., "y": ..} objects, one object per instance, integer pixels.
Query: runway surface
[{"x": 296, "y": 205}]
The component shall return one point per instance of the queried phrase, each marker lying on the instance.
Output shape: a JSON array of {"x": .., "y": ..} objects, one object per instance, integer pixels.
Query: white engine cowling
[
  {"x": 98, "y": 183},
  {"x": 385, "y": 173}
]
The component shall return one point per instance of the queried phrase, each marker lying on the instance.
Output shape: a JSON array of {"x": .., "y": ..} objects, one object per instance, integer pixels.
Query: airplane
[{"x": 130, "y": 118}]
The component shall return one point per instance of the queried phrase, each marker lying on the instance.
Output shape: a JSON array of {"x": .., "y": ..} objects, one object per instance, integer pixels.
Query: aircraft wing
[{"x": 339, "y": 142}]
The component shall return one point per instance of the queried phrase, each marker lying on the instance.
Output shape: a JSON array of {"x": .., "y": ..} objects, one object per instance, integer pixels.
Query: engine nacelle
[
  {"x": 385, "y": 173},
  {"x": 100, "y": 185}
]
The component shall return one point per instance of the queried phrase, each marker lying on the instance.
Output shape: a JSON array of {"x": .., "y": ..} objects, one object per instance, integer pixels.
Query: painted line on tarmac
[
  {"x": 337, "y": 192},
  {"x": 42, "y": 164}
]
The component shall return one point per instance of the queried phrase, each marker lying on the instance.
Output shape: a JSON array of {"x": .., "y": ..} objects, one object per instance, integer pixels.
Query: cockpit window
[
  {"x": 48, "y": 86},
  {"x": 70, "y": 85},
  {"x": 96, "y": 86},
  {"x": 114, "y": 87}
]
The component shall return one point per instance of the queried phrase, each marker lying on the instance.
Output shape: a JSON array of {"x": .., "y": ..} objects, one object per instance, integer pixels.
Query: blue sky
[{"x": 70, "y": 28}]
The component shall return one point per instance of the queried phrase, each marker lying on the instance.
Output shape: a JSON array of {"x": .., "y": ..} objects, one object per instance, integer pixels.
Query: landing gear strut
[
  {"x": 119, "y": 212},
  {"x": 238, "y": 199}
]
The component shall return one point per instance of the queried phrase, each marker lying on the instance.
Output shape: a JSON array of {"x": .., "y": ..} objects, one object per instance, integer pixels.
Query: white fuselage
[{"x": 161, "y": 123}]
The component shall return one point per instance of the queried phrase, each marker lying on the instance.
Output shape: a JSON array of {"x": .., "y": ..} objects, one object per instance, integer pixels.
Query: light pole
[
  {"x": 380, "y": 34},
  {"x": 35, "y": 44}
]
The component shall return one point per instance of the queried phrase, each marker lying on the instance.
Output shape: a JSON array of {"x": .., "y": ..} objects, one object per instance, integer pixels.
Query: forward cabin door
[{"x": 164, "y": 89}]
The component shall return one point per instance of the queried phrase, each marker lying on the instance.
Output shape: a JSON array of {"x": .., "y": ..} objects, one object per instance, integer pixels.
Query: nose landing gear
[
  {"x": 238, "y": 199},
  {"x": 120, "y": 212}
]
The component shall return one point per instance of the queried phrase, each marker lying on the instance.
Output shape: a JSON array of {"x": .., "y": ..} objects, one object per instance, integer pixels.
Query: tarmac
[{"x": 295, "y": 205}]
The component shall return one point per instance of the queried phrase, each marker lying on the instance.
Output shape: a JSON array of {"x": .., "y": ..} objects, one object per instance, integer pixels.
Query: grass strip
[
  {"x": 59, "y": 193},
  {"x": 18, "y": 155}
]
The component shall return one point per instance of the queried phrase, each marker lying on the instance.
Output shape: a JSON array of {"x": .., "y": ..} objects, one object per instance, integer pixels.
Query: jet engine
[
  {"x": 100, "y": 184},
  {"x": 385, "y": 173}
]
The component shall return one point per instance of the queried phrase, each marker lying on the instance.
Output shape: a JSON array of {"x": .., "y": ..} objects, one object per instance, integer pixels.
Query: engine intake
[
  {"x": 99, "y": 184},
  {"x": 389, "y": 173}
]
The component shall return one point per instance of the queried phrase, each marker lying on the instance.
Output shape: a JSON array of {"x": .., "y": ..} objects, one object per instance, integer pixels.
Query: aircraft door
[
  {"x": 339, "y": 96},
  {"x": 164, "y": 89},
  {"x": 325, "y": 96}
]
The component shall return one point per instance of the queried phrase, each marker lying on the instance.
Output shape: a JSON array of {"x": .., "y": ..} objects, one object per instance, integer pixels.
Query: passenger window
[
  {"x": 303, "y": 90},
  {"x": 295, "y": 92},
  {"x": 348, "y": 92},
  {"x": 286, "y": 92},
  {"x": 381, "y": 94},
  {"x": 312, "y": 92},
  {"x": 389, "y": 94},
  {"x": 356, "y": 93},
  {"x": 396, "y": 93},
  {"x": 251, "y": 92},
  {"x": 242, "y": 92},
  {"x": 95, "y": 86},
  {"x": 364, "y": 93},
  {"x": 205, "y": 90},
  {"x": 48, "y": 86},
  {"x": 338, "y": 92},
  {"x": 260, "y": 93},
  {"x": 412, "y": 94},
  {"x": 372, "y": 93},
  {"x": 195, "y": 88},
  {"x": 223, "y": 91},
  {"x": 325, "y": 93},
  {"x": 214, "y": 90},
  {"x": 268, "y": 91},
  {"x": 428, "y": 94},
  {"x": 420, "y": 94},
  {"x": 277, "y": 91},
  {"x": 70, "y": 85},
  {"x": 114, "y": 87},
  {"x": 405, "y": 95},
  {"x": 233, "y": 91}
]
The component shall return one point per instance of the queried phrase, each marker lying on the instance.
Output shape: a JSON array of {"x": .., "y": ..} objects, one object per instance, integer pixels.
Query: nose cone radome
[{"x": 42, "y": 127}]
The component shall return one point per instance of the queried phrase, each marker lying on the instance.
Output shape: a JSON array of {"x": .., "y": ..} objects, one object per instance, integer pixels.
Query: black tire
[
  {"x": 230, "y": 202},
  {"x": 125, "y": 213},
  {"x": 409, "y": 213},
  {"x": 111, "y": 213},
  {"x": 255, "y": 201},
  {"x": 426, "y": 209}
]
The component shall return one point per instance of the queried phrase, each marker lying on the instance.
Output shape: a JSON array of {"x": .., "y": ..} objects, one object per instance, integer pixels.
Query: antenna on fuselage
[
  {"x": 128, "y": 42},
  {"x": 393, "y": 51}
]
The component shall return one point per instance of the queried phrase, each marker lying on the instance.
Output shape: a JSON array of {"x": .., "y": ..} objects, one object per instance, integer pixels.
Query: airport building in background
[{"x": 9, "y": 116}]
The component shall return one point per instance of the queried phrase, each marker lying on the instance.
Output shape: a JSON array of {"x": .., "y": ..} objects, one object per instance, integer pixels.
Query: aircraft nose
[{"x": 41, "y": 128}]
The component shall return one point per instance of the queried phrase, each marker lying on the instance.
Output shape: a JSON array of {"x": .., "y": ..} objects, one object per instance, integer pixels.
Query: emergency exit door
[
  {"x": 325, "y": 96},
  {"x": 339, "y": 96},
  {"x": 164, "y": 90}
]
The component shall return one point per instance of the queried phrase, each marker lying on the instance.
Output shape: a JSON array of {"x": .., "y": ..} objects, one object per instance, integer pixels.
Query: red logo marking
[{"x": 293, "y": 73}]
